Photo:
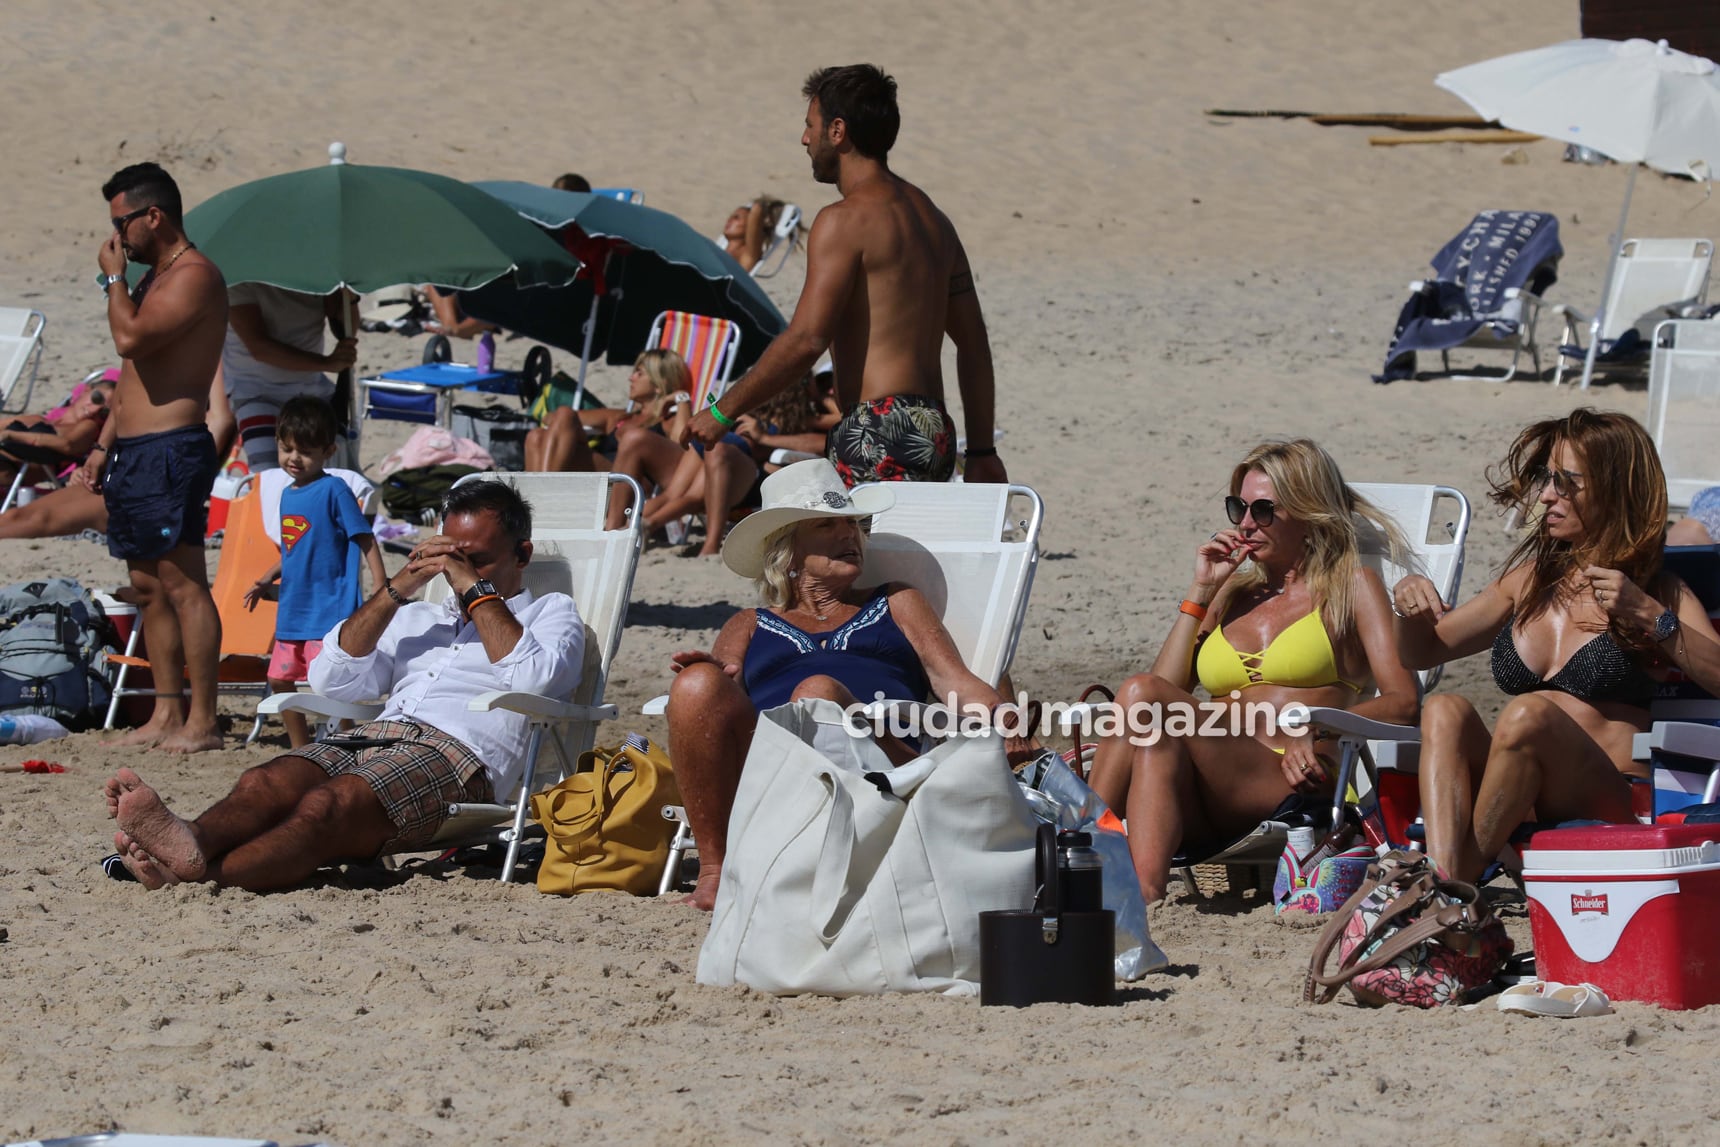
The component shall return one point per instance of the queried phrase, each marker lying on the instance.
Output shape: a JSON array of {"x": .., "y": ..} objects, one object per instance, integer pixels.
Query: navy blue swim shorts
[{"x": 157, "y": 489}]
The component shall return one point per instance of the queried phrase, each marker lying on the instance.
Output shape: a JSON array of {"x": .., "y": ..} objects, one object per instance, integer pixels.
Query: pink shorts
[{"x": 291, "y": 660}]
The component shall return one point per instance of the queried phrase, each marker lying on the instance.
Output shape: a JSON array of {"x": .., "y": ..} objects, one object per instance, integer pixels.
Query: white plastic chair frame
[
  {"x": 1655, "y": 279},
  {"x": 20, "y": 348},
  {"x": 1684, "y": 406},
  {"x": 937, "y": 539},
  {"x": 596, "y": 567}
]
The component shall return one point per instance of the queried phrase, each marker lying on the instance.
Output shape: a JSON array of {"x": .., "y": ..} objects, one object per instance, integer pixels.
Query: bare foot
[
  {"x": 154, "y": 829},
  {"x": 145, "y": 736},
  {"x": 185, "y": 741},
  {"x": 704, "y": 894},
  {"x": 140, "y": 864},
  {"x": 117, "y": 786}
]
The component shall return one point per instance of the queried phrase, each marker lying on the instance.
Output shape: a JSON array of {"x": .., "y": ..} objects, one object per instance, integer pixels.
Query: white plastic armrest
[
  {"x": 1348, "y": 724},
  {"x": 541, "y": 707},
  {"x": 1419, "y": 286},
  {"x": 1641, "y": 746},
  {"x": 1685, "y": 739},
  {"x": 783, "y": 457},
  {"x": 318, "y": 706},
  {"x": 656, "y": 706},
  {"x": 1571, "y": 313}
]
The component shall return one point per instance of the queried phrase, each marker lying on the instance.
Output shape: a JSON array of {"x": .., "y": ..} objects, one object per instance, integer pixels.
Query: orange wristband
[
  {"x": 1193, "y": 608},
  {"x": 480, "y": 601}
]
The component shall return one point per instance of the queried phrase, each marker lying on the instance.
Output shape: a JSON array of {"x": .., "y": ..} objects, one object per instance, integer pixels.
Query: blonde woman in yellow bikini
[{"x": 1281, "y": 610}]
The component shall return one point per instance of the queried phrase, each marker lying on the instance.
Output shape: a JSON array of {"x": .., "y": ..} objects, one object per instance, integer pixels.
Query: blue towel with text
[{"x": 1497, "y": 251}]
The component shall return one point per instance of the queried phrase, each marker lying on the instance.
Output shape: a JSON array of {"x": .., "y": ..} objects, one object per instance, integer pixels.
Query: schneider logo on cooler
[{"x": 1588, "y": 902}]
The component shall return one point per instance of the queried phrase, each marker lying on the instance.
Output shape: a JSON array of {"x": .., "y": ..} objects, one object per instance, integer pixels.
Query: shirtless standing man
[
  {"x": 156, "y": 460},
  {"x": 886, "y": 279}
]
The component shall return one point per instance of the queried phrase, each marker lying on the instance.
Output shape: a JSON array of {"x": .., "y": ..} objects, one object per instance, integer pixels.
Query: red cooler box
[{"x": 1632, "y": 909}]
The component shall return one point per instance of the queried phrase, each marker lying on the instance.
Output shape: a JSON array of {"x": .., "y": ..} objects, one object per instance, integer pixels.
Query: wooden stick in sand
[{"x": 1497, "y": 136}]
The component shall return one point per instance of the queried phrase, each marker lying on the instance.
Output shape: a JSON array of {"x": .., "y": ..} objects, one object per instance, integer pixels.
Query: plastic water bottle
[
  {"x": 28, "y": 728},
  {"x": 486, "y": 352},
  {"x": 1301, "y": 841}
]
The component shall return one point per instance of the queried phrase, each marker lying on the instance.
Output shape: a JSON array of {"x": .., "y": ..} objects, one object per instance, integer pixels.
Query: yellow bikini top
[{"x": 1301, "y": 657}]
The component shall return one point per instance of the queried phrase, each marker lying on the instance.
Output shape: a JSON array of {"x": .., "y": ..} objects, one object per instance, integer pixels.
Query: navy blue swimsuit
[{"x": 868, "y": 653}]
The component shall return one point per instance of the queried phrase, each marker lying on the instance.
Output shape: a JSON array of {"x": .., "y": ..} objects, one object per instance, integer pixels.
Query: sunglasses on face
[
  {"x": 97, "y": 397},
  {"x": 120, "y": 222},
  {"x": 1263, "y": 509},
  {"x": 1565, "y": 483}
]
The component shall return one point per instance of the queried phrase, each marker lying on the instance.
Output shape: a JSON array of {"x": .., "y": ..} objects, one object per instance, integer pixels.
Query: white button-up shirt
[{"x": 430, "y": 661}]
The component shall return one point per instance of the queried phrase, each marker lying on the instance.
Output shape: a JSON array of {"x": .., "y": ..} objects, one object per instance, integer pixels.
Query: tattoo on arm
[{"x": 961, "y": 284}]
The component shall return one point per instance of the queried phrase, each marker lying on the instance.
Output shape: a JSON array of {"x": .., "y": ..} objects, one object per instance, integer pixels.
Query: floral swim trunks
[{"x": 900, "y": 438}]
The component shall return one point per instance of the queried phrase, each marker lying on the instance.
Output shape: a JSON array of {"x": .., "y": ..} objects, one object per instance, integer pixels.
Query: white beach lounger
[
  {"x": 972, "y": 551},
  {"x": 1684, "y": 406},
  {"x": 20, "y": 351},
  {"x": 1657, "y": 279},
  {"x": 573, "y": 554}
]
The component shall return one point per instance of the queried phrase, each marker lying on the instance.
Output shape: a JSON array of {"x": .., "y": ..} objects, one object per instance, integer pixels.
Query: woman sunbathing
[
  {"x": 816, "y": 636},
  {"x": 657, "y": 402},
  {"x": 1581, "y": 624},
  {"x": 748, "y": 228},
  {"x": 1322, "y": 625},
  {"x": 58, "y": 439}
]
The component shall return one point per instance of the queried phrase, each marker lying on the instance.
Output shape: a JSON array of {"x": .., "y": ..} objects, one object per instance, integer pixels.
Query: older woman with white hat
[{"x": 817, "y": 635}]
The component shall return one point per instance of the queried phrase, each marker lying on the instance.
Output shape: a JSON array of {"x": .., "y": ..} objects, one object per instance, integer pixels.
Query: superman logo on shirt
[{"x": 293, "y": 527}]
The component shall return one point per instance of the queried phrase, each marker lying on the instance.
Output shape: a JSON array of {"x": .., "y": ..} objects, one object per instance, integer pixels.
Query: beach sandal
[{"x": 1548, "y": 998}]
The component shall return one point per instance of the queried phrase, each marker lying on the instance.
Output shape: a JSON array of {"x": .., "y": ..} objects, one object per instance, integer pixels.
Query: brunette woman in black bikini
[{"x": 1581, "y": 625}]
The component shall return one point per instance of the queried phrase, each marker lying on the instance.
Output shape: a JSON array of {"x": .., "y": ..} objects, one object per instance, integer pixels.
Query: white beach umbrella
[{"x": 1631, "y": 100}]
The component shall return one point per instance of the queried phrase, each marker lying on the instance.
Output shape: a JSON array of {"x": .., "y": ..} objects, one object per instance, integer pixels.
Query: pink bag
[
  {"x": 433, "y": 446},
  {"x": 1408, "y": 937},
  {"x": 1323, "y": 880}
]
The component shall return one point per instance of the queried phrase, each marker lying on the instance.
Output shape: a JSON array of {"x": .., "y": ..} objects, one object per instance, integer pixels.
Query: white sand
[{"x": 1163, "y": 291}]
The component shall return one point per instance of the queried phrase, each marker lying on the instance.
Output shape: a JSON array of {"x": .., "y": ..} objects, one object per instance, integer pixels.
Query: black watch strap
[{"x": 388, "y": 586}]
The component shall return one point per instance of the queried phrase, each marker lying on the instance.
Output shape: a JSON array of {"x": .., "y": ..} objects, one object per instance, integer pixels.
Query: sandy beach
[{"x": 1164, "y": 289}]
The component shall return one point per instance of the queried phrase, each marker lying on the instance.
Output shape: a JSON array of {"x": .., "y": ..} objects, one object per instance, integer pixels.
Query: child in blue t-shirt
[{"x": 323, "y": 534}]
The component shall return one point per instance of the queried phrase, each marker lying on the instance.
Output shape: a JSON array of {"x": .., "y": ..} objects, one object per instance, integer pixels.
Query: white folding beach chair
[
  {"x": 573, "y": 554},
  {"x": 972, "y": 551},
  {"x": 1655, "y": 279},
  {"x": 20, "y": 351},
  {"x": 1435, "y": 522},
  {"x": 784, "y": 238},
  {"x": 1684, "y": 406},
  {"x": 709, "y": 346}
]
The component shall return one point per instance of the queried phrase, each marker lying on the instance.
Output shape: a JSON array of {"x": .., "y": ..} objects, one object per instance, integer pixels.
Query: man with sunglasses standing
[{"x": 156, "y": 461}]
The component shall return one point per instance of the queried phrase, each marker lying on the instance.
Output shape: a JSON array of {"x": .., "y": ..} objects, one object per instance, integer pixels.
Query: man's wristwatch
[
  {"x": 394, "y": 593},
  {"x": 104, "y": 281},
  {"x": 1665, "y": 626},
  {"x": 481, "y": 588}
]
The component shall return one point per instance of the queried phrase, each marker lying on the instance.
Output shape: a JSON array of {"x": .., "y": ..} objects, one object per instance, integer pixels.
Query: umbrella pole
[
  {"x": 585, "y": 353},
  {"x": 1606, "y": 285},
  {"x": 347, "y": 381}
]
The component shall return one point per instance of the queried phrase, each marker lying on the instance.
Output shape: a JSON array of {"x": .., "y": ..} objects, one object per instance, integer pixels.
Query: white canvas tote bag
[{"x": 845, "y": 876}]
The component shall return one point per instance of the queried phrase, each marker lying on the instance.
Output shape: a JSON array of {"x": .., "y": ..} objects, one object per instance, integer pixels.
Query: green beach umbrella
[{"x": 364, "y": 228}]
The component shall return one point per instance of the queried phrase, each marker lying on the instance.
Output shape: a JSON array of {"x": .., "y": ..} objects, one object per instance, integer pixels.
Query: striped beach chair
[{"x": 709, "y": 345}]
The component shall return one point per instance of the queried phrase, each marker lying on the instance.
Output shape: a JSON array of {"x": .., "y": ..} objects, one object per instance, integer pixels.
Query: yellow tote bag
[{"x": 605, "y": 822}]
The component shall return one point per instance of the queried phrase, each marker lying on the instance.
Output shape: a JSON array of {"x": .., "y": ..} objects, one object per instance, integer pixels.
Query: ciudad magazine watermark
[{"x": 1145, "y": 723}]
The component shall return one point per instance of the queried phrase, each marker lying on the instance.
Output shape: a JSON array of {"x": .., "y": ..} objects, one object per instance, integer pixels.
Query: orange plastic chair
[{"x": 247, "y": 636}]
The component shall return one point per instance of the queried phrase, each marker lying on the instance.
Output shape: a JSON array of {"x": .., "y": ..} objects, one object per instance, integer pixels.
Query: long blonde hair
[
  {"x": 1308, "y": 487},
  {"x": 668, "y": 373},
  {"x": 776, "y": 582}
]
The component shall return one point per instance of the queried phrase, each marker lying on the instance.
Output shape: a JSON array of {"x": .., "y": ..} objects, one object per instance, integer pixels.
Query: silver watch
[
  {"x": 1665, "y": 626},
  {"x": 106, "y": 281}
]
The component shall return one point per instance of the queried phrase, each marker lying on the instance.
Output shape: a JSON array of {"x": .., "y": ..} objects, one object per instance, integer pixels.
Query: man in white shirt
[
  {"x": 274, "y": 353},
  {"x": 385, "y": 786}
]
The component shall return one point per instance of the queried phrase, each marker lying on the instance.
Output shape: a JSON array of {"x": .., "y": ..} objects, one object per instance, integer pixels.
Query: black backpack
[
  {"x": 415, "y": 494},
  {"x": 53, "y": 635}
]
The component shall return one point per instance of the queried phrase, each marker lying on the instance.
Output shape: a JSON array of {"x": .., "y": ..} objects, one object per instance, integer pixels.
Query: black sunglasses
[
  {"x": 120, "y": 221},
  {"x": 1565, "y": 483},
  {"x": 1263, "y": 509},
  {"x": 98, "y": 398}
]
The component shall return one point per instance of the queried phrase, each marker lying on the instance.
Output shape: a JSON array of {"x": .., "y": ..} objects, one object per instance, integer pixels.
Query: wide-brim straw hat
[{"x": 794, "y": 494}]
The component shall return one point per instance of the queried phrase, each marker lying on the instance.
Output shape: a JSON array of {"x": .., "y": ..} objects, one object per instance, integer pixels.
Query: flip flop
[{"x": 1547, "y": 998}]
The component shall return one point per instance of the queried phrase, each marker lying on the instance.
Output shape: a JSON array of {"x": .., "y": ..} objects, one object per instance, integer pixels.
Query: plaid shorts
[{"x": 416, "y": 779}]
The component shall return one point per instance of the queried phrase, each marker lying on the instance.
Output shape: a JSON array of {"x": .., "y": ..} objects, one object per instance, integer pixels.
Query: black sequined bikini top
[{"x": 1599, "y": 671}]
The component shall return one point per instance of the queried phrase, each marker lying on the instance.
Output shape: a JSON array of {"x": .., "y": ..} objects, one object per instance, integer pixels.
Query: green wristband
[{"x": 721, "y": 418}]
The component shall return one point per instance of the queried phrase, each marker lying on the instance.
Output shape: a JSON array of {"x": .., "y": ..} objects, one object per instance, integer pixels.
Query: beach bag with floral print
[{"x": 1408, "y": 937}]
